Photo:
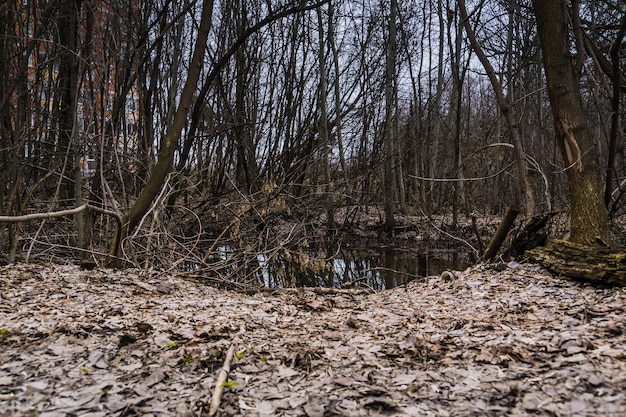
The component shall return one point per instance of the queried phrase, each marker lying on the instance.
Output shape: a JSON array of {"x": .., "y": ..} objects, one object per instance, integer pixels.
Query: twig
[
  {"x": 315, "y": 290},
  {"x": 217, "y": 239},
  {"x": 221, "y": 378},
  {"x": 448, "y": 234}
]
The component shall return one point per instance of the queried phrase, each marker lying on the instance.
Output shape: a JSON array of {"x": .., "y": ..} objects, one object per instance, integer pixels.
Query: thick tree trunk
[{"x": 589, "y": 219}]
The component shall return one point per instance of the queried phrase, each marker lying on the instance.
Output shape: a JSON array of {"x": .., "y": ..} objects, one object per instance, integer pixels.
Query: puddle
[{"x": 378, "y": 268}]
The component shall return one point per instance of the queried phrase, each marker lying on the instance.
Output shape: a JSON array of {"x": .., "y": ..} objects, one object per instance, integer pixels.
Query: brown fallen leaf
[{"x": 143, "y": 327}]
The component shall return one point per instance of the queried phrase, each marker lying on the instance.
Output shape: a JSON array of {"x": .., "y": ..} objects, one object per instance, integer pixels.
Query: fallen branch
[
  {"x": 221, "y": 378},
  {"x": 60, "y": 213}
]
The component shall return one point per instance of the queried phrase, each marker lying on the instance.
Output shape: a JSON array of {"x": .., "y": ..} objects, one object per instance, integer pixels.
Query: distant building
[{"x": 100, "y": 43}]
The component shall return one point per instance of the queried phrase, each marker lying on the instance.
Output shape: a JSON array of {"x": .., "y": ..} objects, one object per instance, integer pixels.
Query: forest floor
[{"x": 511, "y": 340}]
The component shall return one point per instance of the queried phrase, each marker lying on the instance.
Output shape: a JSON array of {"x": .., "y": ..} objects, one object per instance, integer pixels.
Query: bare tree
[
  {"x": 616, "y": 78},
  {"x": 507, "y": 111},
  {"x": 324, "y": 125},
  {"x": 170, "y": 144},
  {"x": 391, "y": 89}
]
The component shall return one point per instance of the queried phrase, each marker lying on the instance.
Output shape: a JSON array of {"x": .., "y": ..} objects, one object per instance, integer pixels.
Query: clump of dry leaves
[{"x": 479, "y": 342}]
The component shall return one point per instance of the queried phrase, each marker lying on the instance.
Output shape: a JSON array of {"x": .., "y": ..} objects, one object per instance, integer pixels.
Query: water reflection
[{"x": 378, "y": 268}]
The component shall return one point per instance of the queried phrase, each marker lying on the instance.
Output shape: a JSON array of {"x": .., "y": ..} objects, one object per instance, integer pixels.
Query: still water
[{"x": 376, "y": 268}]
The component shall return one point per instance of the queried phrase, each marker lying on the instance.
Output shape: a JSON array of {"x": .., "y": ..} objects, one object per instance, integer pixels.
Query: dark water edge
[{"x": 376, "y": 268}]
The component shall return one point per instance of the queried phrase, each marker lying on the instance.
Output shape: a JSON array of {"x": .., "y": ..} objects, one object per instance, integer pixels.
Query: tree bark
[
  {"x": 69, "y": 138},
  {"x": 615, "y": 104},
  {"x": 247, "y": 169},
  {"x": 598, "y": 265},
  {"x": 589, "y": 218},
  {"x": 500, "y": 235}
]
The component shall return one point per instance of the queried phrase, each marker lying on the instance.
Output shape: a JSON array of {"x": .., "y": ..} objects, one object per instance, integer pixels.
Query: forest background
[{"x": 167, "y": 128}]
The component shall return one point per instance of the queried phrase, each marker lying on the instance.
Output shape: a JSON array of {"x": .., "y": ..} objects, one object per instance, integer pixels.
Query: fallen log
[{"x": 594, "y": 264}]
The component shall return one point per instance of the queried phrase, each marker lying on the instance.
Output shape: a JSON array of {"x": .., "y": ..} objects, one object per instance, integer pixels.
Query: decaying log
[{"x": 597, "y": 264}]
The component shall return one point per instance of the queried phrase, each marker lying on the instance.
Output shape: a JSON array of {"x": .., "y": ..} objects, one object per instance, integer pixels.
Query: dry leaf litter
[{"x": 475, "y": 343}]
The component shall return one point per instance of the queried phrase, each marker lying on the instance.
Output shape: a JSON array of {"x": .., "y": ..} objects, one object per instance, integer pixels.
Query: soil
[{"x": 506, "y": 339}]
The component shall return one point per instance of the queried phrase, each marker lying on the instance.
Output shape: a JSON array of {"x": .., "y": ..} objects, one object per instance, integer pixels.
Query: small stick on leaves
[{"x": 221, "y": 378}]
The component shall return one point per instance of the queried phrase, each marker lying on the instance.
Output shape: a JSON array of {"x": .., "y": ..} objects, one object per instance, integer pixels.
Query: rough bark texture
[
  {"x": 598, "y": 264},
  {"x": 68, "y": 90},
  {"x": 589, "y": 219}
]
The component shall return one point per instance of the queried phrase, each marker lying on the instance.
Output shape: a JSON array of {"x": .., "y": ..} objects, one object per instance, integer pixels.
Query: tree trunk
[
  {"x": 323, "y": 127},
  {"x": 337, "y": 92},
  {"x": 437, "y": 135},
  {"x": 166, "y": 154},
  {"x": 615, "y": 104},
  {"x": 68, "y": 84},
  {"x": 456, "y": 101},
  {"x": 390, "y": 99},
  {"x": 500, "y": 235},
  {"x": 589, "y": 219},
  {"x": 507, "y": 112},
  {"x": 68, "y": 89},
  {"x": 247, "y": 169}
]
